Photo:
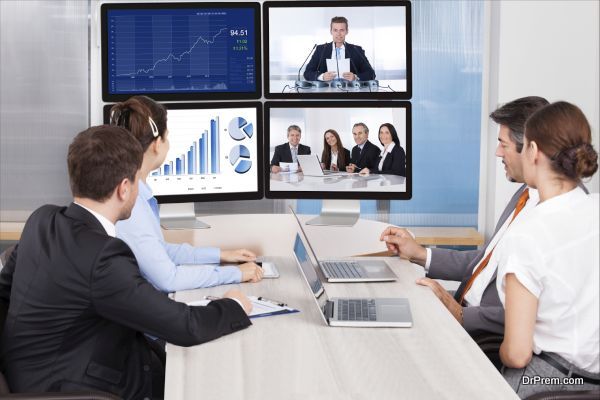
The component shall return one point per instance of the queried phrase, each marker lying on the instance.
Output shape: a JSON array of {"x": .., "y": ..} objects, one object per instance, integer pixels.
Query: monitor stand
[
  {"x": 337, "y": 213},
  {"x": 180, "y": 216}
]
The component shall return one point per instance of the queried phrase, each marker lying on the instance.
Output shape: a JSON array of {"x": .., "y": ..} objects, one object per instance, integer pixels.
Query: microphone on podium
[{"x": 302, "y": 83}]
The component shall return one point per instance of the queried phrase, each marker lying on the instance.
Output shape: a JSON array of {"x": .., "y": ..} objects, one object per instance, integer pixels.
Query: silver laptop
[
  {"x": 354, "y": 312},
  {"x": 350, "y": 270},
  {"x": 312, "y": 167}
]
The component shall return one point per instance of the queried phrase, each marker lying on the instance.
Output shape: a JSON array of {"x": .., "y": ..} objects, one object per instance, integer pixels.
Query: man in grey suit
[{"x": 476, "y": 304}]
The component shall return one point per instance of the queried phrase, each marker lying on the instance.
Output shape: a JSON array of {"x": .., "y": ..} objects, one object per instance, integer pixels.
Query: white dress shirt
[
  {"x": 475, "y": 293},
  {"x": 341, "y": 56},
  {"x": 384, "y": 153},
  {"x": 334, "y": 157},
  {"x": 108, "y": 226},
  {"x": 553, "y": 252}
]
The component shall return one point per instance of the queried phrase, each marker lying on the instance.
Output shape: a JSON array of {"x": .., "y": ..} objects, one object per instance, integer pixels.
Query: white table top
[
  {"x": 290, "y": 182},
  {"x": 297, "y": 356},
  {"x": 287, "y": 86}
]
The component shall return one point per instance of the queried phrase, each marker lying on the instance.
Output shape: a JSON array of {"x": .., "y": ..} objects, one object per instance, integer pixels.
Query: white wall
[{"x": 543, "y": 48}]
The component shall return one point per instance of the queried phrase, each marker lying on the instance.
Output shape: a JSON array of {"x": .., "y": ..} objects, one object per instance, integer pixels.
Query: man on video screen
[{"x": 339, "y": 50}]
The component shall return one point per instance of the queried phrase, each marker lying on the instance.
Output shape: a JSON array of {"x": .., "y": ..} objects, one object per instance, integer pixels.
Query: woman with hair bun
[{"x": 548, "y": 278}]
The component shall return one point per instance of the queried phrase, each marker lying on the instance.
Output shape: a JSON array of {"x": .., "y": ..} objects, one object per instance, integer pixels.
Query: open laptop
[
  {"x": 350, "y": 270},
  {"x": 312, "y": 167},
  {"x": 352, "y": 312}
]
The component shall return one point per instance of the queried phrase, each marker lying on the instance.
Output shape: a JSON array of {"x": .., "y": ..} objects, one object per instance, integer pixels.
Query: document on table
[
  {"x": 261, "y": 307},
  {"x": 342, "y": 63},
  {"x": 288, "y": 167}
]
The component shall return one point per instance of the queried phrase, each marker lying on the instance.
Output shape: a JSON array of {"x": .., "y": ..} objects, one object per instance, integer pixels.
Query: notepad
[{"x": 260, "y": 308}]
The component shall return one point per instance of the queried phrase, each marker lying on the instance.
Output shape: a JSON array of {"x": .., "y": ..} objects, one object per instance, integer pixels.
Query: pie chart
[
  {"x": 239, "y": 129},
  {"x": 239, "y": 157}
]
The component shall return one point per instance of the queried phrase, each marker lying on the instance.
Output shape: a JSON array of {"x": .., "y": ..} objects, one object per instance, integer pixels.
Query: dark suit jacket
[
  {"x": 284, "y": 154},
  {"x": 393, "y": 164},
  {"x": 78, "y": 307},
  {"x": 359, "y": 64},
  {"x": 341, "y": 166},
  {"x": 459, "y": 265},
  {"x": 368, "y": 158}
]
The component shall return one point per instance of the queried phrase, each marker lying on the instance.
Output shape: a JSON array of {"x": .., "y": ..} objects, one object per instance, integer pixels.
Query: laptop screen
[{"x": 309, "y": 272}]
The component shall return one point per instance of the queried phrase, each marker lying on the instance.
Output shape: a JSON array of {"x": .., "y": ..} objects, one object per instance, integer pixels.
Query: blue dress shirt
[{"x": 164, "y": 264}]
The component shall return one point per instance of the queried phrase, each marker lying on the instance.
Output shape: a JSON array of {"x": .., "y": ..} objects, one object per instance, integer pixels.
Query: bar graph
[
  {"x": 211, "y": 150},
  {"x": 202, "y": 158}
]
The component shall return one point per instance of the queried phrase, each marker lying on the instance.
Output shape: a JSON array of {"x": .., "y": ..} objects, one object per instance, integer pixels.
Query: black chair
[
  {"x": 490, "y": 345},
  {"x": 4, "y": 389}
]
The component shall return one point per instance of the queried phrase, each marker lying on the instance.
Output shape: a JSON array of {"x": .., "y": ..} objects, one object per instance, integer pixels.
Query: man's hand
[
  {"x": 239, "y": 255},
  {"x": 241, "y": 297},
  {"x": 350, "y": 168},
  {"x": 327, "y": 76},
  {"x": 251, "y": 272},
  {"x": 400, "y": 241},
  {"x": 275, "y": 168},
  {"x": 445, "y": 297},
  {"x": 349, "y": 76}
]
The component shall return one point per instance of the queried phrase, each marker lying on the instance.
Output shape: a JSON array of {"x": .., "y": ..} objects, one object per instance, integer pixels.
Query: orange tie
[{"x": 520, "y": 204}]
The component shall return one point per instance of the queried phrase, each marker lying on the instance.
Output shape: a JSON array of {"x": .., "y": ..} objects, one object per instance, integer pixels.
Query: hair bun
[{"x": 577, "y": 162}]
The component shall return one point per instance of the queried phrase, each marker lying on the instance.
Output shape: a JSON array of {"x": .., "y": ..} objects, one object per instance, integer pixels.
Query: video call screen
[
  {"x": 299, "y": 49},
  {"x": 178, "y": 51},
  {"x": 310, "y": 177}
]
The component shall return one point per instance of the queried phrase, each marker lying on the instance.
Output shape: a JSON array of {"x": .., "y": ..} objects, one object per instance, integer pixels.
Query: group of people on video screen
[{"x": 365, "y": 157}]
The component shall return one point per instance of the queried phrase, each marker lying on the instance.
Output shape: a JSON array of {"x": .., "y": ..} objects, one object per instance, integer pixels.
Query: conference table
[
  {"x": 297, "y": 181},
  {"x": 289, "y": 86},
  {"x": 297, "y": 356}
]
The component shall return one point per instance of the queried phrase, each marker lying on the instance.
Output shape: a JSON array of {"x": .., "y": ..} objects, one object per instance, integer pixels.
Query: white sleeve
[{"x": 519, "y": 255}]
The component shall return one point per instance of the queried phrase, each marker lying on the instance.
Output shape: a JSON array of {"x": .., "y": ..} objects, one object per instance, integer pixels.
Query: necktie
[
  {"x": 154, "y": 206},
  {"x": 337, "y": 52},
  {"x": 520, "y": 204},
  {"x": 294, "y": 154}
]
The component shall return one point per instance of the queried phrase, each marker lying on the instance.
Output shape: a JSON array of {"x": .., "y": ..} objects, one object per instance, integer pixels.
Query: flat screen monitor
[
  {"x": 337, "y": 49},
  {"x": 181, "y": 51},
  {"x": 215, "y": 153},
  {"x": 308, "y": 131}
]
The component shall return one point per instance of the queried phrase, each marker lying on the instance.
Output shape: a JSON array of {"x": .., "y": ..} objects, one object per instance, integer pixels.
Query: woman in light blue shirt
[{"x": 169, "y": 267}]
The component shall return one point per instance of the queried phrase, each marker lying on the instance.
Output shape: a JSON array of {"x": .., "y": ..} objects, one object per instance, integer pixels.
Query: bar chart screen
[
  {"x": 211, "y": 151},
  {"x": 180, "y": 50}
]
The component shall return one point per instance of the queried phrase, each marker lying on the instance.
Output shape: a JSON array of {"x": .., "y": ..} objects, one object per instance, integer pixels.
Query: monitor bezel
[
  {"x": 160, "y": 96},
  {"x": 230, "y": 196},
  {"x": 349, "y": 195},
  {"x": 349, "y": 95}
]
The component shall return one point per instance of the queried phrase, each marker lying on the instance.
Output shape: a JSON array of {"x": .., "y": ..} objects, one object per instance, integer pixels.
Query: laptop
[
  {"x": 350, "y": 270},
  {"x": 312, "y": 167},
  {"x": 351, "y": 312}
]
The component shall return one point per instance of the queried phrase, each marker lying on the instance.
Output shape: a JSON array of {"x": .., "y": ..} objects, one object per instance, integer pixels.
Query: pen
[
  {"x": 278, "y": 303},
  {"x": 212, "y": 298}
]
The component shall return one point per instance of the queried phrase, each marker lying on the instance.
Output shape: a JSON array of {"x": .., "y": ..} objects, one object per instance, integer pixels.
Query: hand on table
[
  {"x": 238, "y": 255},
  {"x": 251, "y": 272},
  {"x": 446, "y": 298},
  {"x": 241, "y": 297}
]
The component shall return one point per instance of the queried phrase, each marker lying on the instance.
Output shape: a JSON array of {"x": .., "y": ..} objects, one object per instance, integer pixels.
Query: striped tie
[{"x": 520, "y": 204}]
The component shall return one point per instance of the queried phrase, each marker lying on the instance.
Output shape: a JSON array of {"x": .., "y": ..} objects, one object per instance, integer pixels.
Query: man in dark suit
[
  {"x": 288, "y": 152},
  {"x": 476, "y": 304},
  {"x": 365, "y": 154},
  {"x": 338, "y": 49},
  {"x": 78, "y": 306}
]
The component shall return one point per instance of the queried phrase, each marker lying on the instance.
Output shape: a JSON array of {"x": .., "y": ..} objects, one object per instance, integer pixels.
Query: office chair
[
  {"x": 4, "y": 389},
  {"x": 490, "y": 343}
]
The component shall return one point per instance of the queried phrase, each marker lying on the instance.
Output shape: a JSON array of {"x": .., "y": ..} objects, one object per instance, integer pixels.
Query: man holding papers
[{"x": 339, "y": 59}]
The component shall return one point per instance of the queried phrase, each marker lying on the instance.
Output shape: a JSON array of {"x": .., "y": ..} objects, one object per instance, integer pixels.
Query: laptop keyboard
[
  {"x": 342, "y": 269},
  {"x": 357, "y": 310}
]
